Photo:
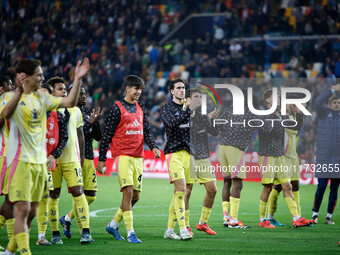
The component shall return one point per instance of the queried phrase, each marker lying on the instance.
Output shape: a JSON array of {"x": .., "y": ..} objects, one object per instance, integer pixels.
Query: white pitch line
[{"x": 94, "y": 213}]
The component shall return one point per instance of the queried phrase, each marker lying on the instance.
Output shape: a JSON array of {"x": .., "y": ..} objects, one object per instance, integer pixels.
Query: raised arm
[
  {"x": 93, "y": 122},
  {"x": 12, "y": 104},
  {"x": 80, "y": 72},
  {"x": 320, "y": 103}
]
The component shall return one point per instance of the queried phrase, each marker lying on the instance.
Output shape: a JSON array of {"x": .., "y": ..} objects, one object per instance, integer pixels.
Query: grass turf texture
[{"x": 151, "y": 215}]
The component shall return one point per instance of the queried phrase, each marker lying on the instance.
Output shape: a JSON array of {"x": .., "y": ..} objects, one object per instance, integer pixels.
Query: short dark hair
[
  {"x": 48, "y": 87},
  {"x": 173, "y": 82},
  {"x": 190, "y": 92},
  {"x": 3, "y": 79},
  {"x": 133, "y": 81},
  {"x": 27, "y": 66},
  {"x": 57, "y": 79}
]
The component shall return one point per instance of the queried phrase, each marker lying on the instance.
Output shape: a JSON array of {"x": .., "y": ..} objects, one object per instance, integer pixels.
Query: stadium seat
[
  {"x": 281, "y": 67},
  {"x": 251, "y": 74},
  {"x": 182, "y": 68},
  {"x": 267, "y": 65},
  {"x": 308, "y": 72},
  {"x": 314, "y": 74},
  {"x": 285, "y": 73},
  {"x": 175, "y": 69},
  {"x": 317, "y": 66},
  {"x": 274, "y": 66},
  {"x": 162, "y": 9},
  {"x": 159, "y": 74},
  {"x": 292, "y": 21},
  {"x": 161, "y": 82},
  {"x": 165, "y": 74},
  {"x": 172, "y": 75},
  {"x": 288, "y": 12},
  {"x": 185, "y": 75}
]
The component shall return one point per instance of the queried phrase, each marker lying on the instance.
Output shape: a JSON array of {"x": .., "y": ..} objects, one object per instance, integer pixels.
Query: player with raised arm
[
  {"x": 327, "y": 150},
  {"x": 26, "y": 154},
  {"x": 126, "y": 128},
  {"x": 91, "y": 131}
]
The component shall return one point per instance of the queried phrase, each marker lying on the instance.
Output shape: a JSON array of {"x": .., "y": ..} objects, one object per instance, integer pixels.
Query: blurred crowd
[{"x": 122, "y": 37}]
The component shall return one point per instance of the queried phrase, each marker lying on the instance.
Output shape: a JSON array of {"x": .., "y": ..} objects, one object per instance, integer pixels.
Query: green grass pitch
[{"x": 151, "y": 214}]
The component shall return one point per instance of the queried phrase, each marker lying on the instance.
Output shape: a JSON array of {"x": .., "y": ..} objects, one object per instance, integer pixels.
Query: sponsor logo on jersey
[
  {"x": 51, "y": 141},
  {"x": 187, "y": 125},
  {"x": 134, "y": 132},
  {"x": 135, "y": 123}
]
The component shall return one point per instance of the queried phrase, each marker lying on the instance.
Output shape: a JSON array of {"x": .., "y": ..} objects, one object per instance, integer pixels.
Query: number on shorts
[
  {"x": 78, "y": 172},
  {"x": 140, "y": 178},
  {"x": 94, "y": 180}
]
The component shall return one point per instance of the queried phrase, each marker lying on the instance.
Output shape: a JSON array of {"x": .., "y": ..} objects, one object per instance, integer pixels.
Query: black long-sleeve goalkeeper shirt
[{"x": 177, "y": 127}]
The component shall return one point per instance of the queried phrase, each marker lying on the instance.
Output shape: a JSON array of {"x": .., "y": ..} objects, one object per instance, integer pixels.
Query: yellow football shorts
[
  {"x": 179, "y": 167},
  {"x": 232, "y": 161},
  {"x": 89, "y": 175},
  {"x": 27, "y": 181},
  {"x": 294, "y": 164},
  {"x": 130, "y": 171},
  {"x": 72, "y": 173},
  {"x": 274, "y": 170},
  {"x": 203, "y": 170}
]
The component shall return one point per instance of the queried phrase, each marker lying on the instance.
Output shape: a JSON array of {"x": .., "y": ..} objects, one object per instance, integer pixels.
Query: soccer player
[
  {"x": 26, "y": 155},
  {"x": 234, "y": 141},
  {"x": 69, "y": 167},
  {"x": 201, "y": 126},
  {"x": 6, "y": 209},
  {"x": 56, "y": 139},
  {"x": 91, "y": 131},
  {"x": 272, "y": 159},
  {"x": 127, "y": 127},
  {"x": 292, "y": 161},
  {"x": 176, "y": 118},
  {"x": 327, "y": 150}
]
